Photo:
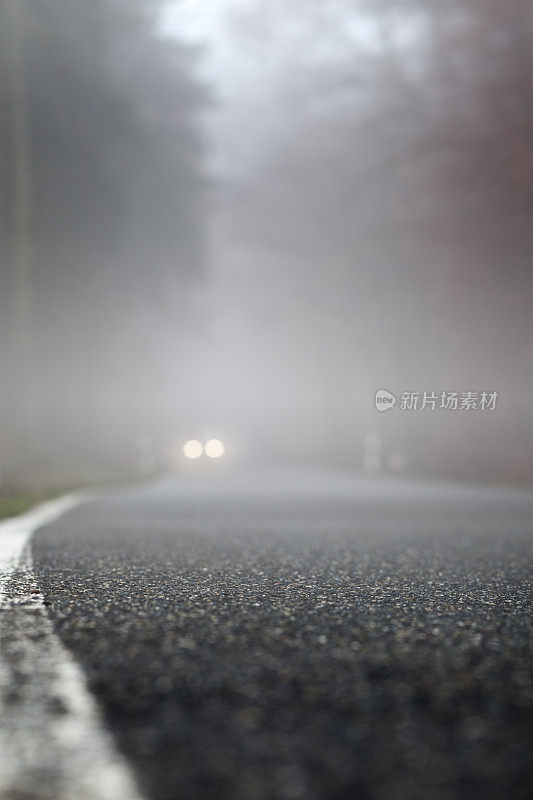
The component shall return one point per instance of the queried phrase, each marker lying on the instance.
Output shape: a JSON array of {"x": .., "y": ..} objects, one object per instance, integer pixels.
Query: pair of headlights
[{"x": 213, "y": 448}]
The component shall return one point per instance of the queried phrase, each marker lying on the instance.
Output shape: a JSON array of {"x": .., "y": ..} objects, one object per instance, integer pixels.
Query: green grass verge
[{"x": 18, "y": 502}]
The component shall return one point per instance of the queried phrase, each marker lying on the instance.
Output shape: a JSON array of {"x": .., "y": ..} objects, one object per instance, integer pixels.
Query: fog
[{"x": 241, "y": 219}]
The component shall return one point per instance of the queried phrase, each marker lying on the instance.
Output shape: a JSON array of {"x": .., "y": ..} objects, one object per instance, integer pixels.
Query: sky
[
  {"x": 247, "y": 58},
  {"x": 243, "y": 86}
]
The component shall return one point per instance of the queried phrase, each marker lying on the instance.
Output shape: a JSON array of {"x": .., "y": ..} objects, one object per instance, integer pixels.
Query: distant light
[
  {"x": 214, "y": 448},
  {"x": 193, "y": 449}
]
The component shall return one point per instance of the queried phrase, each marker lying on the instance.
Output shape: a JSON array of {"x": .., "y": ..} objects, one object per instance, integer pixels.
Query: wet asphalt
[{"x": 304, "y": 636}]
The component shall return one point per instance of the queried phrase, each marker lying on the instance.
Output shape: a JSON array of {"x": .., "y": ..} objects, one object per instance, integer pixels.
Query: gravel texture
[{"x": 304, "y": 636}]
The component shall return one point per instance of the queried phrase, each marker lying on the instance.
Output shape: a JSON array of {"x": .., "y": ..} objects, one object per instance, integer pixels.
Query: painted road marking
[{"x": 53, "y": 742}]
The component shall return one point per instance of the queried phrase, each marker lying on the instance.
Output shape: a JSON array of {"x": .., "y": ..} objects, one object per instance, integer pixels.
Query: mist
[{"x": 242, "y": 219}]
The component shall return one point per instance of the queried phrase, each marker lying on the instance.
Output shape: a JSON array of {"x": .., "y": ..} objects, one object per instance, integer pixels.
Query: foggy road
[
  {"x": 302, "y": 635},
  {"x": 239, "y": 234}
]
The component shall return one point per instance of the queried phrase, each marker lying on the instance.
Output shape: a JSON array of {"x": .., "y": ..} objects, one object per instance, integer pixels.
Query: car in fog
[{"x": 194, "y": 449}]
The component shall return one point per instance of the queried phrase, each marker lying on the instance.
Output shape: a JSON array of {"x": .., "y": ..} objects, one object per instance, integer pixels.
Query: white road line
[
  {"x": 16, "y": 532},
  {"x": 53, "y": 742}
]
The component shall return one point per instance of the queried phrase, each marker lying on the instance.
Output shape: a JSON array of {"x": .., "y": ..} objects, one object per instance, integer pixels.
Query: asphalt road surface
[{"x": 303, "y": 636}]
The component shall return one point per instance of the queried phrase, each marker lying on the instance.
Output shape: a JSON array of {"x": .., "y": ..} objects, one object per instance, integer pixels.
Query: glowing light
[
  {"x": 214, "y": 448},
  {"x": 193, "y": 449}
]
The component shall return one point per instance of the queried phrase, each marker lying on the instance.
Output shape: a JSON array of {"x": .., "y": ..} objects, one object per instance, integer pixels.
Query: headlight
[
  {"x": 214, "y": 448},
  {"x": 193, "y": 449}
]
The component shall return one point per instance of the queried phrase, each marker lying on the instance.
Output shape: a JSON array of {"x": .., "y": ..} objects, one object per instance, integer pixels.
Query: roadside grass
[
  {"x": 17, "y": 502},
  {"x": 14, "y": 501}
]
